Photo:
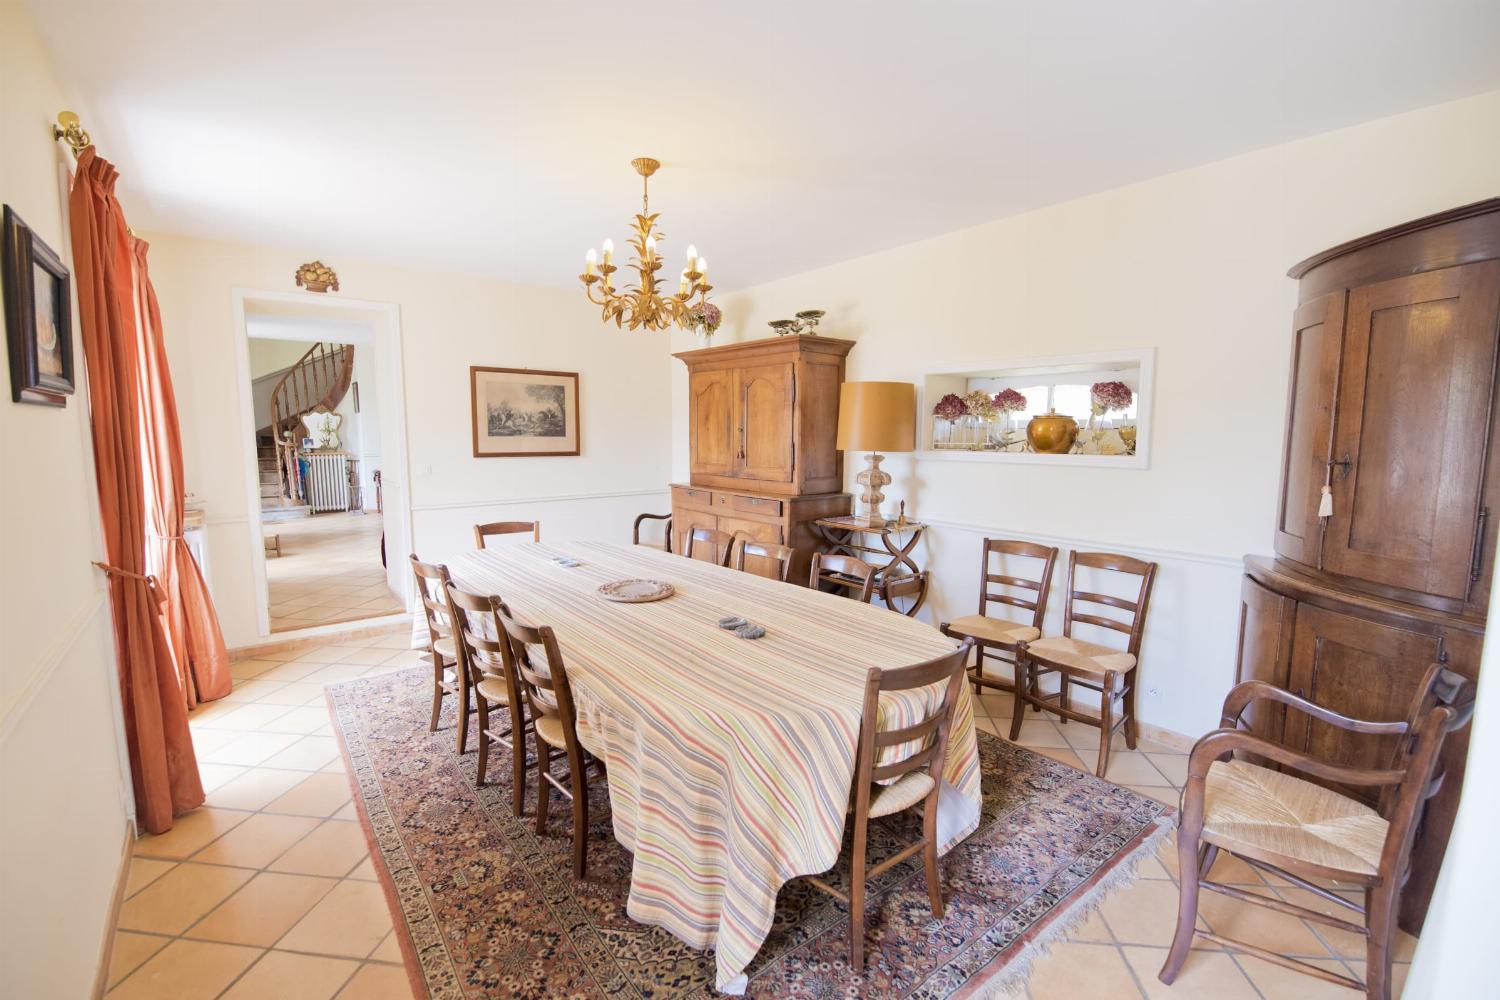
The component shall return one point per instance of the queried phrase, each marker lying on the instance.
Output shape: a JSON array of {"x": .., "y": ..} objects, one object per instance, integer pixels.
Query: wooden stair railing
[{"x": 320, "y": 377}]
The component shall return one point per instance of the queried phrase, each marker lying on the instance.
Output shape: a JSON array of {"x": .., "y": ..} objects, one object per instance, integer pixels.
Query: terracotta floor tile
[
  {"x": 1172, "y": 765},
  {"x": 350, "y": 921},
  {"x": 1259, "y": 926},
  {"x": 319, "y": 795},
  {"x": 335, "y": 672},
  {"x": 172, "y": 903},
  {"x": 1143, "y": 912},
  {"x": 297, "y": 693},
  {"x": 206, "y": 741},
  {"x": 129, "y": 951},
  {"x": 251, "y": 690},
  {"x": 332, "y": 849},
  {"x": 295, "y": 670},
  {"x": 1165, "y": 794},
  {"x": 144, "y": 871},
  {"x": 1072, "y": 970},
  {"x": 1127, "y": 767},
  {"x": 216, "y": 776},
  {"x": 1093, "y": 930},
  {"x": 335, "y": 766},
  {"x": 302, "y": 721},
  {"x": 1345, "y": 943},
  {"x": 250, "y": 749},
  {"x": 378, "y": 982},
  {"x": 263, "y": 909},
  {"x": 1085, "y": 737},
  {"x": 1227, "y": 868},
  {"x": 250, "y": 716},
  {"x": 285, "y": 976},
  {"x": 405, "y": 658},
  {"x": 186, "y": 970},
  {"x": 258, "y": 841},
  {"x": 1036, "y": 734},
  {"x": 388, "y": 950},
  {"x": 368, "y": 656},
  {"x": 1275, "y": 981},
  {"x": 308, "y": 753},
  {"x": 247, "y": 669},
  {"x": 189, "y": 832},
  {"x": 255, "y": 788},
  {"x": 365, "y": 871},
  {"x": 1206, "y": 975}
]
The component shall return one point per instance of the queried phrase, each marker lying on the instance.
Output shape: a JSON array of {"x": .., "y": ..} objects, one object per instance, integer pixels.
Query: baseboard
[
  {"x": 107, "y": 947},
  {"x": 323, "y": 635},
  {"x": 1166, "y": 737}
]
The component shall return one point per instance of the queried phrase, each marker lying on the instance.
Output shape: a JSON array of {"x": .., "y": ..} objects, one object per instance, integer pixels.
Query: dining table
[{"x": 729, "y": 760}]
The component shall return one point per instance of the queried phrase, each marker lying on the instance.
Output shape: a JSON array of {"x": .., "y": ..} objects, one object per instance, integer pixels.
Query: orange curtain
[
  {"x": 192, "y": 624},
  {"x": 162, "y": 765}
]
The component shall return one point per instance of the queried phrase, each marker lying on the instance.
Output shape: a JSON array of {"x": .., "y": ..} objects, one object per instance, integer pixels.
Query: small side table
[{"x": 847, "y": 536}]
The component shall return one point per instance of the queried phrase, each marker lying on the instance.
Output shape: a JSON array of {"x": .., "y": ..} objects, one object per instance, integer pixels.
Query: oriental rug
[{"x": 484, "y": 907}]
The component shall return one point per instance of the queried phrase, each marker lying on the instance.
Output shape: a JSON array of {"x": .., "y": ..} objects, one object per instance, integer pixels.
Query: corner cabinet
[
  {"x": 762, "y": 424},
  {"x": 1391, "y": 406},
  {"x": 763, "y": 415}
]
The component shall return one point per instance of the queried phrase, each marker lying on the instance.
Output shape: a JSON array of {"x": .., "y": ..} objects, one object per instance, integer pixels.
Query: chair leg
[
  {"x": 484, "y": 740},
  {"x": 543, "y": 787},
  {"x": 1380, "y": 909},
  {"x": 857, "y": 899},
  {"x": 518, "y": 763},
  {"x": 930, "y": 855},
  {"x": 1208, "y": 856},
  {"x": 463, "y": 716},
  {"x": 1187, "y": 904},
  {"x": 1020, "y": 680},
  {"x": 1106, "y": 725},
  {"x": 1064, "y": 697},
  {"x": 580, "y": 815},
  {"x": 1131, "y": 726},
  {"x": 437, "y": 695}
]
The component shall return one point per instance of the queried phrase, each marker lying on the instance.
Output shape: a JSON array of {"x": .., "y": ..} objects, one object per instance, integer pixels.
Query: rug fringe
[{"x": 1009, "y": 983}]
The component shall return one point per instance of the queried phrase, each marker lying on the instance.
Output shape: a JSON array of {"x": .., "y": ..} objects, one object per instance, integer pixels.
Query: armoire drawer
[
  {"x": 763, "y": 506},
  {"x": 684, "y": 496}
]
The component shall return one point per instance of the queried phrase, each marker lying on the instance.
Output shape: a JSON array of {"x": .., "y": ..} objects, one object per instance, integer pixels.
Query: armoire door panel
[
  {"x": 1358, "y": 668},
  {"x": 1265, "y": 636},
  {"x": 764, "y": 410},
  {"x": 819, "y": 394},
  {"x": 1317, "y": 331},
  {"x": 713, "y": 438},
  {"x": 1413, "y": 411}
]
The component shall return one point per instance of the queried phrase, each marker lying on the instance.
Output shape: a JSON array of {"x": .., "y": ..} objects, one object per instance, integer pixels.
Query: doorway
[{"x": 323, "y": 431}]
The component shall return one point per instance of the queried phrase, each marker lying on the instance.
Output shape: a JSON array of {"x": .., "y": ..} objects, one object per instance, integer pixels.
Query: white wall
[
  {"x": 448, "y": 323},
  {"x": 1192, "y": 264},
  {"x": 64, "y": 802}
]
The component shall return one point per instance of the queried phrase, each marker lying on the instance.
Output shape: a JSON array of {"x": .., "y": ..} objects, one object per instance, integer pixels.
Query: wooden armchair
[
  {"x": 1280, "y": 823},
  {"x": 772, "y": 561},
  {"x": 485, "y": 655},
  {"x": 635, "y": 529},
  {"x": 494, "y": 528}
]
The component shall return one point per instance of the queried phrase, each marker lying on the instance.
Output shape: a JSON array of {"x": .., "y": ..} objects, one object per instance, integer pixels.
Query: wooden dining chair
[
  {"x": 635, "y": 530},
  {"x": 996, "y": 638},
  {"x": 485, "y": 656},
  {"x": 1110, "y": 672},
  {"x": 1300, "y": 830},
  {"x": 719, "y": 545},
  {"x": 845, "y": 572},
  {"x": 496, "y": 528},
  {"x": 556, "y": 725},
  {"x": 912, "y": 587},
  {"x": 883, "y": 787},
  {"x": 442, "y": 650},
  {"x": 774, "y": 561}
]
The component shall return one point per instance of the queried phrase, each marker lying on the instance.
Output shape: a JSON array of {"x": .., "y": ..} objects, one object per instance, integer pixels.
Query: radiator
[{"x": 327, "y": 481}]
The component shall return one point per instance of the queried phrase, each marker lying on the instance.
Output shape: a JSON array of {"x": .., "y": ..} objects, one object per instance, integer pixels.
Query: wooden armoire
[
  {"x": 762, "y": 421},
  {"x": 1392, "y": 407}
]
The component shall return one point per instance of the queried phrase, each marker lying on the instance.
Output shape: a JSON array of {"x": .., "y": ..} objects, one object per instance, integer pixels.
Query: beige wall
[
  {"x": 1192, "y": 264},
  {"x": 448, "y": 323},
  {"x": 63, "y": 800}
]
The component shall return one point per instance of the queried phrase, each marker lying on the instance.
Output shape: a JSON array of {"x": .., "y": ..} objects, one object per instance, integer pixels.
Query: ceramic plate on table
[{"x": 635, "y": 591}]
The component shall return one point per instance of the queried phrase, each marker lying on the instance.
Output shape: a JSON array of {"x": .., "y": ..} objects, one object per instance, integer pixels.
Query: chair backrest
[
  {"x": 927, "y": 736},
  {"x": 913, "y": 587},
  {"x": 545, "y": 685},
  {"x": 1134, "y": 624},
  {"x": 776, "y": 560},
  {"x": 843, "y": 570},
  {"x": 482, "y": 648},
  {"x": 483, "y": 531},
  {"x": 720, "y": 545},
  {"x": 635, "y": 529},
  {"x": 1034, "y": 590},
  {"x": 432, "y": 578}
]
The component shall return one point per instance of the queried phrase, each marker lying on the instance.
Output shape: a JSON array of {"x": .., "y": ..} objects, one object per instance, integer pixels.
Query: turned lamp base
[{"x": 872, "y": 478}]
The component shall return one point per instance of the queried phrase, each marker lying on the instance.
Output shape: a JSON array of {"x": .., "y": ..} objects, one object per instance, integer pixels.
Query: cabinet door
[
  {"x": 1317, "y": 329},
  {"x": 1265, "y": 640},
  {"x": 765, "y": 395},
  {"x": 1413, "y": 411},
  {"x": 713, "y": 440},
  {"x": 1358, "y": 668}
]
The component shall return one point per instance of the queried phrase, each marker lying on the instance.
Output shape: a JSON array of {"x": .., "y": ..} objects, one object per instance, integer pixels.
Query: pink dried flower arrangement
[
  {"x": 705, "y": 318},
  {"x": 1009, "y": 401},
  {"x": 980, "y": 404},
  {"x": 1108, "y": 396},
  {"x": 951, "y": 407}
]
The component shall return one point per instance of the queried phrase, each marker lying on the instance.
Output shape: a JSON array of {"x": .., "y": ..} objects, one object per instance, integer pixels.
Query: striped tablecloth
[{"x": 730, "y": 761}]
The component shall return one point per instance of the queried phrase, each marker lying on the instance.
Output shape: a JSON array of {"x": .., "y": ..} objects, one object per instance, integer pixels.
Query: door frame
[{"x": 385, "y": 319}]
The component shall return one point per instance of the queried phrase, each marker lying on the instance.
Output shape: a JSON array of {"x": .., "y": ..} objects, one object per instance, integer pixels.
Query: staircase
[{"x": 318, "y": 380}]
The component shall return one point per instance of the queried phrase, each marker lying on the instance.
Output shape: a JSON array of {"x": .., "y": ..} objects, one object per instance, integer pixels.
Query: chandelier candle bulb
[
  {"x": 609, "y": 251},
  {"x": 590, "y": 261}
]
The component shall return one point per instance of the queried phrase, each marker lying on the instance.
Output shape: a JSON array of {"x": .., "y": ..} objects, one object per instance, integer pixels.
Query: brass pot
[{"x": 1051, "y": 433}]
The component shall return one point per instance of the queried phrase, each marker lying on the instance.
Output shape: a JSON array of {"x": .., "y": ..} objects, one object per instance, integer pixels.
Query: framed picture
[
  {"x": 38, "y": 317},
  {"x": 520, "y": 412}
]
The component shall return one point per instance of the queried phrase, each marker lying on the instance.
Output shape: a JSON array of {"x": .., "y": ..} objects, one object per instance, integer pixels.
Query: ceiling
[{"x": 495, "y": 137}]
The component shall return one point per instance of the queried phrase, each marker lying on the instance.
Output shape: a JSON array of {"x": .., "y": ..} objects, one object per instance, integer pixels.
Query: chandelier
[{"x": 642, "y": 304}]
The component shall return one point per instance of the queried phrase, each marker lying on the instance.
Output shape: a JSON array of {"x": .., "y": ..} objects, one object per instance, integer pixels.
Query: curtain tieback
[{"x": 151, "y": 582}]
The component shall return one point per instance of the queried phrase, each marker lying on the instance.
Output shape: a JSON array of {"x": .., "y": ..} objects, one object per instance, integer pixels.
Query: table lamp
[{"x": 876, "y": 417}]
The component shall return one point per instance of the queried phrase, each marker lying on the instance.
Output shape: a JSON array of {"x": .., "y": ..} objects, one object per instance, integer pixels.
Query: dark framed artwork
[
  {"x": 522, "y": 412},
  {"x": 38, "y": 317}
]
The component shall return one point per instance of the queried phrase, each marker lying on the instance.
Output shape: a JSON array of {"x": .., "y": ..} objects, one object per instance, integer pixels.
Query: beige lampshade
[{"x": 877, "y": 416}]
